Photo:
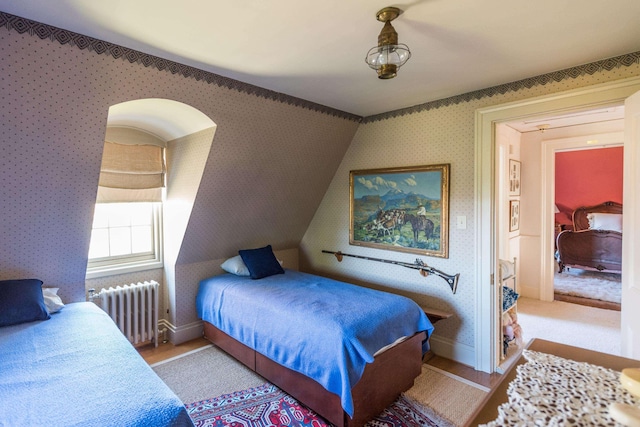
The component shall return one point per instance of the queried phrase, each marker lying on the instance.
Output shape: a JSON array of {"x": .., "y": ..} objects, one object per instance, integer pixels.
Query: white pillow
[
  {"x": 51, "y": 299},
  {"x": 236, "y": 266},
  {"x": 605, "y": 221}
]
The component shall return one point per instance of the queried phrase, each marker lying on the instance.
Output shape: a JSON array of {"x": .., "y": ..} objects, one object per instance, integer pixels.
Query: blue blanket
[
  {"x": 322, "y": 328},
  {"x": 77, "y": 369}
]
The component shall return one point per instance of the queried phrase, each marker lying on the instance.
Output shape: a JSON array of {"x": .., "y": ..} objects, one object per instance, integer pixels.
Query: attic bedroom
[{"x": 257, "y": 163}]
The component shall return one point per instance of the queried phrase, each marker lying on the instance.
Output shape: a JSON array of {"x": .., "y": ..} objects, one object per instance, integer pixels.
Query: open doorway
[
  {"x": 581, "y": 138},
  {"x": 588, "y": 252},
  {"x": 544, "y": 149},
  {"x": 599, "y": 96}
]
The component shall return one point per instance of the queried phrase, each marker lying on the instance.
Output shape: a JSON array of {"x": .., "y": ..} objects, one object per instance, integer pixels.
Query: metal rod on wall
[{"x": 425, "y": 270}]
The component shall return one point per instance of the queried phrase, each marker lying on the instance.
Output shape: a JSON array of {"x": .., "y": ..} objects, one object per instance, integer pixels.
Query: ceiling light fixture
[{"x": 388, "y": 56}]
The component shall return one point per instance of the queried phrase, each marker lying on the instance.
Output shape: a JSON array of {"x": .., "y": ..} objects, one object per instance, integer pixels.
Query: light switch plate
[{"x": 462, "y": 222}]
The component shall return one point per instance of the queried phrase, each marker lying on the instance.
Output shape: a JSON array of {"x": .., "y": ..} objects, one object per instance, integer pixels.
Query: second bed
[{"x": 343, "y": 350}]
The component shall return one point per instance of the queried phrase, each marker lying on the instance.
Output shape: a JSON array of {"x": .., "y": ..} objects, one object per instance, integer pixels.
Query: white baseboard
[
  {"x": 449, "y": 349},
  {"x": 181, "y": 334}
]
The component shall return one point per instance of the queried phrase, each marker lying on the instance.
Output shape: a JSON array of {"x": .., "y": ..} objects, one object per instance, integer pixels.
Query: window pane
[
  {"x": 99, "y": 244},
  {"x": 142, "y": 239},
  {"x": 141, "y": 213},
  {"x": 120, "y": 241},
  {"x": 124, "y": 234},
  {"x": 119, "y": 216},
  {"x": 101, "y": 216}
]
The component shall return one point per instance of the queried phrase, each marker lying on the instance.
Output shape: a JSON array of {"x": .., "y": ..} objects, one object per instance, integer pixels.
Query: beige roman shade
[{"x": 133, "y": 167}]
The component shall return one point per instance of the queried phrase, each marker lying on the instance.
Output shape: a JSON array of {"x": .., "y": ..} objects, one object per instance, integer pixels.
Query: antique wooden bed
[
  {"x": 595, "y": 243},
  {"x": 390, "y": 371}
]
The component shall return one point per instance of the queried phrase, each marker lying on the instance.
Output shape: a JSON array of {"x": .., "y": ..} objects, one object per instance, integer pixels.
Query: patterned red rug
[{"x": 268, "y": 406}]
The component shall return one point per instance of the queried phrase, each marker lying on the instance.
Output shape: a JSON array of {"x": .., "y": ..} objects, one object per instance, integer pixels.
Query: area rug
[
  {"x": 268, "y": 406},
  {"x": 588, "y": 284}
]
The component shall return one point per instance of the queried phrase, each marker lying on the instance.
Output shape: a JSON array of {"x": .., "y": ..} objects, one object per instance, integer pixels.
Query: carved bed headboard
[{"x": 580, "y": 221}]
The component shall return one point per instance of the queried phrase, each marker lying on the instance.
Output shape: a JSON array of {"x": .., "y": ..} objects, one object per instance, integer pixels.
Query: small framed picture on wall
[
  {"x": 514, "y": 210},
  {"x": 514, "y": 177}
]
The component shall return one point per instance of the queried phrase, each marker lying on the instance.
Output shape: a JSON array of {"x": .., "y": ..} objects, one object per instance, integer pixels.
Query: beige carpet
[
  {"x": 572, "y": 324},
  {"x": 209, "y": 372},
  {"x": 205, "y": 373}
]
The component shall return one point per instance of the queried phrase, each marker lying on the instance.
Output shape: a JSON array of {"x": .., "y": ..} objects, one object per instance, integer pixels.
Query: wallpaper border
[
  {"x": 66, "y": 37},
  {"x": 45, "y": 31},
  {"x": 626, "y": 60}
]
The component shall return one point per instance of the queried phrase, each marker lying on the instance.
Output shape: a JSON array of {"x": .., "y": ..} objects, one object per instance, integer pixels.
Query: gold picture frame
[{"x": 403, "y": 209}]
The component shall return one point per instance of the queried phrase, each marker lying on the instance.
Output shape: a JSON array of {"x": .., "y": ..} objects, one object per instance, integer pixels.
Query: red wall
[{"x": 586, "y": 178}]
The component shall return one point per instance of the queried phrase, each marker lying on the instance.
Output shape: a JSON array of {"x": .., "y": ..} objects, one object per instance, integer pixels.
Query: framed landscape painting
[{"x": 401, "y": 209}]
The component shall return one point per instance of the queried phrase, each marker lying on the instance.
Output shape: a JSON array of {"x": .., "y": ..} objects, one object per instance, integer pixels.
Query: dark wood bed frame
[
  {"x": 391, "y": 373},
  {"x": 587, "y": 249}
]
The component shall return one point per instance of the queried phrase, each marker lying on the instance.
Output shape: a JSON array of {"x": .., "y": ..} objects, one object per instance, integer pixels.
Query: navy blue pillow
[
  {"x": 261, "y": 262},
  {"x": 21, "y": 301}
]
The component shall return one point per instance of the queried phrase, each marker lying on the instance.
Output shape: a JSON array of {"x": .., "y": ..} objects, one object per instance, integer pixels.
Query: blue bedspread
[
  {"x": 322, "y": 328},
  {"x": 77, "y": 369}
]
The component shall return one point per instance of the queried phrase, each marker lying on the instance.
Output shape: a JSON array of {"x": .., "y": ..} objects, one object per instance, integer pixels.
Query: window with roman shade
[{"x": 126, "y": 234}]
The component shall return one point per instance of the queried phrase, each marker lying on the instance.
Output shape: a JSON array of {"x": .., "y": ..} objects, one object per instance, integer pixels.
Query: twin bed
[
  {"x": 345, "y": 351},
  {"x": 74, "y": 368}
]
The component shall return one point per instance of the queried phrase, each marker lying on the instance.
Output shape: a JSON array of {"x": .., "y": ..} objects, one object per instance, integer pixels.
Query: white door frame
[{"x": 596, "y": 96}]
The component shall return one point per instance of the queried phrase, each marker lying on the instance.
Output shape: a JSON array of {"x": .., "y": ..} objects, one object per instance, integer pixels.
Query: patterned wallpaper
[
  {"x": 100, "y": 47},
  {"x": 277, "y": 171},
  {"x": 430, "y": 136},
  {"x": 268, "y": 168}
]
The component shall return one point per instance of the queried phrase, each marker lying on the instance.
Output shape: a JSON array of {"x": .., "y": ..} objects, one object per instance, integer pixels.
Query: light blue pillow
[
  {"x": 21, "y": 301},
  {"x": 261, "y": 262}
]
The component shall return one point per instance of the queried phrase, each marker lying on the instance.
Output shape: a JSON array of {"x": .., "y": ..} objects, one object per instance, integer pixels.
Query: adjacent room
[{"x": 318, "y": 214}]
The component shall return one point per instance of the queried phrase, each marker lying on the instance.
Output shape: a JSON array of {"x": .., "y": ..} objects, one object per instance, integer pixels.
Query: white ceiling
[{"x": 315, "y": 50}]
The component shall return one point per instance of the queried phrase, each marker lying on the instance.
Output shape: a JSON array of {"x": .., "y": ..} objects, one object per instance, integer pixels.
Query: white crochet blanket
[{"x": 551, "y": 391}]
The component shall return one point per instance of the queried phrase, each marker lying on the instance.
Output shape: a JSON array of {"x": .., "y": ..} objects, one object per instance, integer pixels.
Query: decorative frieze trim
[
  {"x": 65, "y": 37},
  {"x": 556, "y": 76},
  {"x": 45, "y": 31}
]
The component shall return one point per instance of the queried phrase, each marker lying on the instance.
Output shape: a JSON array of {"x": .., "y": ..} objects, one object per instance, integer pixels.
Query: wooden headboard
[{"x": 580, "y": 221}]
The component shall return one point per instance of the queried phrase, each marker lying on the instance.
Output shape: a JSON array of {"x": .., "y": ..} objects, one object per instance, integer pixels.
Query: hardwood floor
[
  {"x": 587, "y": 301},
  {"x": 166, "y": 351},
  {"x": 464, "y": 371}
]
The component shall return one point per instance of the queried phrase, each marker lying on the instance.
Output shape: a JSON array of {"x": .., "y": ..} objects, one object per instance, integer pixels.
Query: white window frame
[{"x": 110, "y": 266}]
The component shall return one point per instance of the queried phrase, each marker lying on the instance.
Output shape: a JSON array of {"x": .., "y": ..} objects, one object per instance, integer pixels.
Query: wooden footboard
[
  {"x": 391, "y": 373},
  {"x": 599, "y": 250}
]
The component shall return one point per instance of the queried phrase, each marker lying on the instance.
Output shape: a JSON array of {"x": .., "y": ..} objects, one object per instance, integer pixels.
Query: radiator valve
[{"x": 93, "y": 295}]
